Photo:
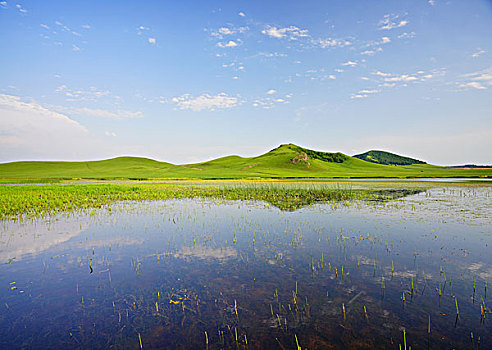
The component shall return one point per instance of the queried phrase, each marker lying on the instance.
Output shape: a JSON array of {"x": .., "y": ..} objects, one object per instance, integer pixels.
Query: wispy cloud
[
  {"x": 3, "y": 4},
  {"x": 391, "y": 22},
  {"x": 146, "y": 31},
  {"x": 206, "y": 102},
  {"x": 271, "y": 54},
  {"x": 480, "y": 80},
  {"x": 290, "y": 33},
  {"x": 329, "y": 42},
  {"x": 406, "y": 35},
  {"x": 67, "y": 29},
  {"x": 28, "y": 127},
  {"x": 91, "y": 94},
  {"x": 15, "y": 103},
  {"x": 119, "y": 114},
  {"x": 271, "y": 101},
  {"x": 241, "y": 14},
  {"x": 364, "y": 93},
  {"x": 371, "y": 52},
  {"x": 478, "y": 53},
  {"x": 388, "y": 80},
  {"x": 223, "y": 32},
  {"x": 21, "y": 10}
]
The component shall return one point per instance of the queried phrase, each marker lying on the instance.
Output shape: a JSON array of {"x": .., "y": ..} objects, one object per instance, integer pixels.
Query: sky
[{"x": 188, "y": 81}]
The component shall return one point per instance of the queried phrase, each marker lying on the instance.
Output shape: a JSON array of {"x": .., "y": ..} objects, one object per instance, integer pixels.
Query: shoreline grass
[{"x": 28, "y": 201}]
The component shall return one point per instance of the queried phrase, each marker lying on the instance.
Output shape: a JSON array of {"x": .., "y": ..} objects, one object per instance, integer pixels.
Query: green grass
[
  {"x": 277, "y": 163},
  {"x": 30, "y": 201}
]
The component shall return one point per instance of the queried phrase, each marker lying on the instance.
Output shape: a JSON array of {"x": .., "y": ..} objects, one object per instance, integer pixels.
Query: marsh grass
[{"x": 29, "y": 201}]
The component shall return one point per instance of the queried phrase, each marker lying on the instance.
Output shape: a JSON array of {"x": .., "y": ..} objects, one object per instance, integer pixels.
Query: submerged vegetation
[
  {"x": 42, "y": 200},
  {"x": 217, "y": 274},
  {"x": 208, "y": 272}
]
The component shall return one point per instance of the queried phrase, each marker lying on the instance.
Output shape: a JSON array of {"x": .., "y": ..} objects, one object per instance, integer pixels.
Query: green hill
[
  {"x": 285, "y": 161},
  {"x": 387, "y": 158}
]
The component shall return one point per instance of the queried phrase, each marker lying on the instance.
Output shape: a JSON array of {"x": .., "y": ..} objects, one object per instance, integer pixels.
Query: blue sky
[{"x": 186, "y": 81}]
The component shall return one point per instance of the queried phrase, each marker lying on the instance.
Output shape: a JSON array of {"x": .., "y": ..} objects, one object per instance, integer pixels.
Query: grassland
[{"x": 286, "y": 161}]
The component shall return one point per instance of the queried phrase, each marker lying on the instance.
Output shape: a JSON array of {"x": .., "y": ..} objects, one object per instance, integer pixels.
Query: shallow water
[{"x": 247, "y": 275}]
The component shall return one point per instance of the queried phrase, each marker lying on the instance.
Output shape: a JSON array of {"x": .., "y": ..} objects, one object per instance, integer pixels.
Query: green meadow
[{"x": 286, "y": 161}]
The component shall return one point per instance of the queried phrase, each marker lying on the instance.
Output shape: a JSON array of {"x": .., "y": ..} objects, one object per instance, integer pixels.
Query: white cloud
[
  {"x": 206, "y": 102},
  {"x": 33, "y": 129},
  {"x": 391, "y": 22},
  {"x": 480, "y": 80},
  {"x": 241, "y": 14},
  {"x": 75, "y": 47},
  {"x": 44, "y": 26},
  {"x": 354, "y": 96},
  {"x": 349, "y": 63},
  {"x": 3, "y": 4},
  {"x": 107, "y": 133},
  {"x": 86, "y": 26},
  {"x": 272, "y": 54},
  {"x": 152, "y": 41},
  {"x": 474, "y": 84},
  {"x": 99, "y": 113},
  {"x": 402, "y": 77},
  {"x": 364, "y": 93},
  {"x": 432, "y": 2},
  {"x": 92, "y": 94},
  {"x": 478, "y": 53},
  {"x": 385, "y": 40},
  {"x": 225, "y": 31},
  {"x": 291, "y": 33},
  {"x": 19, "y": 7},
  {"x": 230, "y": 43},
  {"x": 392, "y": 80},
  {"x": 407, "y": 35},
  {"x": 271, "y": 92},
  {"x": 324, "y": 43},
  {"x": 382, "y": 74}
]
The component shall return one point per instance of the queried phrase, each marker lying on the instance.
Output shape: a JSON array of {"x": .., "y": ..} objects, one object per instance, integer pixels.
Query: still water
[{"x": 197, "y": 274}]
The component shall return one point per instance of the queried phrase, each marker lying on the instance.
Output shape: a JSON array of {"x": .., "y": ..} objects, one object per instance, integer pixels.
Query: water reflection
[{"x": 330, "y": 276}]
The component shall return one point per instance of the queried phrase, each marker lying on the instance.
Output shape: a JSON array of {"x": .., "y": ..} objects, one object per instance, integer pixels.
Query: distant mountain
[
  {"x": 285, "y": 161},
  {"x": 387, "y": 158},
  {"x": 472, "y": 166}
]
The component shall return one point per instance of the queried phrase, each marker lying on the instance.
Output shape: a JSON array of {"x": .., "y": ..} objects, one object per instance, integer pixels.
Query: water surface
[{"x": 172, "y": 274}]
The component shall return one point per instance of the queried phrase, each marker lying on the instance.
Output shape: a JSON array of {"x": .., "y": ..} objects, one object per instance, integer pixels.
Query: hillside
[
  {"x": 387, "y": 158},
  {"x": 285, "y": 161}
]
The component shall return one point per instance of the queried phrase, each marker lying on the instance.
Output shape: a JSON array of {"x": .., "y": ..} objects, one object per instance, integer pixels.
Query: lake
[{"x": 198, "y": 274}]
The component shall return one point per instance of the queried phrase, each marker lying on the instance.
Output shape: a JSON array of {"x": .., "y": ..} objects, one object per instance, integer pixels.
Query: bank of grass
[{"x": 28, "y": 201}]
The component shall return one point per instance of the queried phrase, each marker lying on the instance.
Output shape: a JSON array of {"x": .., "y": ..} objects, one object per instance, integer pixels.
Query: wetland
[{"x": 274, "y": 265}]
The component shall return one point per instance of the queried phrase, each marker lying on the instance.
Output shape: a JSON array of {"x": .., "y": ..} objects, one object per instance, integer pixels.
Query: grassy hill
[
  {"x": 387, "y": 158},
  {"x": 285, "y": 161}
]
